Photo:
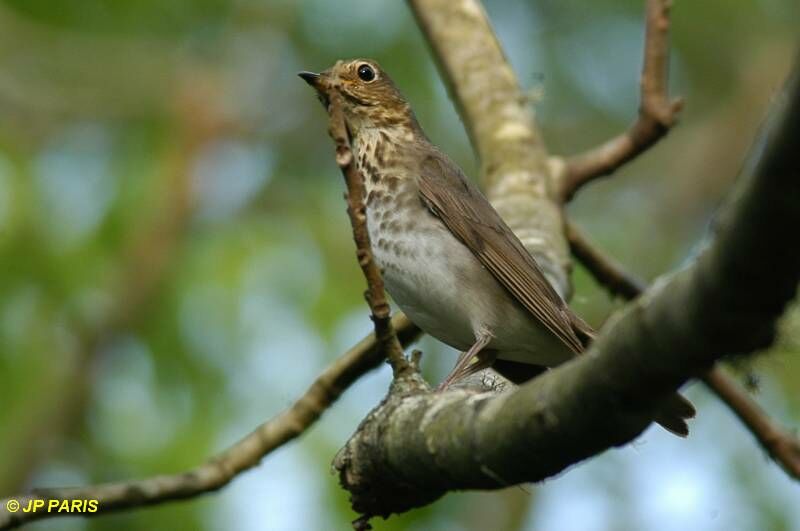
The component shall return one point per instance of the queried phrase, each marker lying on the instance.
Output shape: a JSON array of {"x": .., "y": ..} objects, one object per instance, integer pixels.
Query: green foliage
[
  {"x": 138, "y": 336},
  {"x": 167, "y": 18}
]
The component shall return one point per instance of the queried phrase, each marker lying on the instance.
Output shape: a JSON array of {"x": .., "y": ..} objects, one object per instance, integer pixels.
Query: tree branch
[
  {"x": 411, "y": 449},
  {"x": 515, "y": 171},
  {"x": 603, "y": 268},
  {"x": 783, "y": 447},
  {"x": 248, "y": 452},
  {"x": 375, "y": 294},
  {"x": 657, "y": 114},
  {"x": 471, "y": 72},
  {"x": 221, "y": 469}
]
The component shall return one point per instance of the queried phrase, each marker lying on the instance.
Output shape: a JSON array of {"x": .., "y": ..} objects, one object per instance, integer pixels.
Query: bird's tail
[
  {"x": 673, "y": 414},
  {"x": 675, "y": 410}
]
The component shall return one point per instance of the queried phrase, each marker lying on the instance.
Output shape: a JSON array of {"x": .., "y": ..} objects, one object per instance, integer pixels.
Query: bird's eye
[{"x": 366, "y": 73}]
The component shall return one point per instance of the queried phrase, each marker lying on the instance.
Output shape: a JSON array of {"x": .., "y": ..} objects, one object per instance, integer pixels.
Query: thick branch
[
  {"x": 411, "y": 449},
  {"x": 783, "y": 447},
  {"x": 514, "y": 163},
  {"x": 656, "y": 116},
  {"x": 221, "y": 469},
  {"x": 474, "y": 75},
  {"x": 657, "y": 113}
]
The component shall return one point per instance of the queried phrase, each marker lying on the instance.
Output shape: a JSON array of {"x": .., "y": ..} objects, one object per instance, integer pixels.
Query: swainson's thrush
[{"x": 448, "y": 259}]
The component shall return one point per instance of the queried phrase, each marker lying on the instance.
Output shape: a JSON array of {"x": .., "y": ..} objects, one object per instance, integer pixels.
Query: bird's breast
[
  {"x": 421, "y": 264},
  {"x": 431, "y": 275}
]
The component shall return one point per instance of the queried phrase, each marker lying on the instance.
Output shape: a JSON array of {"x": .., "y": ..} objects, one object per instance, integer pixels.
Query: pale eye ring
[{"x": 366, "y": 73}]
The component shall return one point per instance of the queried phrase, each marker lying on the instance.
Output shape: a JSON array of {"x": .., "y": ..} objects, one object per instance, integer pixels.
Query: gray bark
[{"x": 418, "y": 445}]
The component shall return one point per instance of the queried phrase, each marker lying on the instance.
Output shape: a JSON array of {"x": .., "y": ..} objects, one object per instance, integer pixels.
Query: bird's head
[{"x": 369, "y": 97}]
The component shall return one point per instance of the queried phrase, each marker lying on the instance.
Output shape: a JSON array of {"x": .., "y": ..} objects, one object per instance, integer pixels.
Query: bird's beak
[
  {"x": 320, "y": 84},
  {"x": 311, "y": 78}
]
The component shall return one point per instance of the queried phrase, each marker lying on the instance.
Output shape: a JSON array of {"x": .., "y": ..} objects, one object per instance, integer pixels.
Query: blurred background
[{"x": 176, "y": 265}]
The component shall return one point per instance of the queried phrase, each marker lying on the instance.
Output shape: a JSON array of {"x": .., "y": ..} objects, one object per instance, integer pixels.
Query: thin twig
[
  {"x": 411, "y": 449},
  {"x": 221, "y": 469},
  {"x": 603, "y": 268},
  {"x": 375, "y": 294},
  {"x": 657, "y": 114},
  {"x": 391, "y": 334},
  {"x": 782, "y": 446}
]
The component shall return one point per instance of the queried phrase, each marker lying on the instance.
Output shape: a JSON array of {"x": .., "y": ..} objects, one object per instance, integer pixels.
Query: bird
[{"x": 448, "y": 259}]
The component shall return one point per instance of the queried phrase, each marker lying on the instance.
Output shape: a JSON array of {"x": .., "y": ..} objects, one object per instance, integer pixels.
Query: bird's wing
[{"x": 469, "y": 216}]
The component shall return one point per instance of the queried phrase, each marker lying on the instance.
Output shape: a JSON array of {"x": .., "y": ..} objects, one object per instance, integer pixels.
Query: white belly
[{"x": 444, "y": 289}]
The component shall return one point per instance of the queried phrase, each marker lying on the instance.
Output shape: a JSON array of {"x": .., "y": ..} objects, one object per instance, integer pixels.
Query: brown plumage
[
  {"x": 448, "y": 259},
  {"x": 470, "y": 217}
]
